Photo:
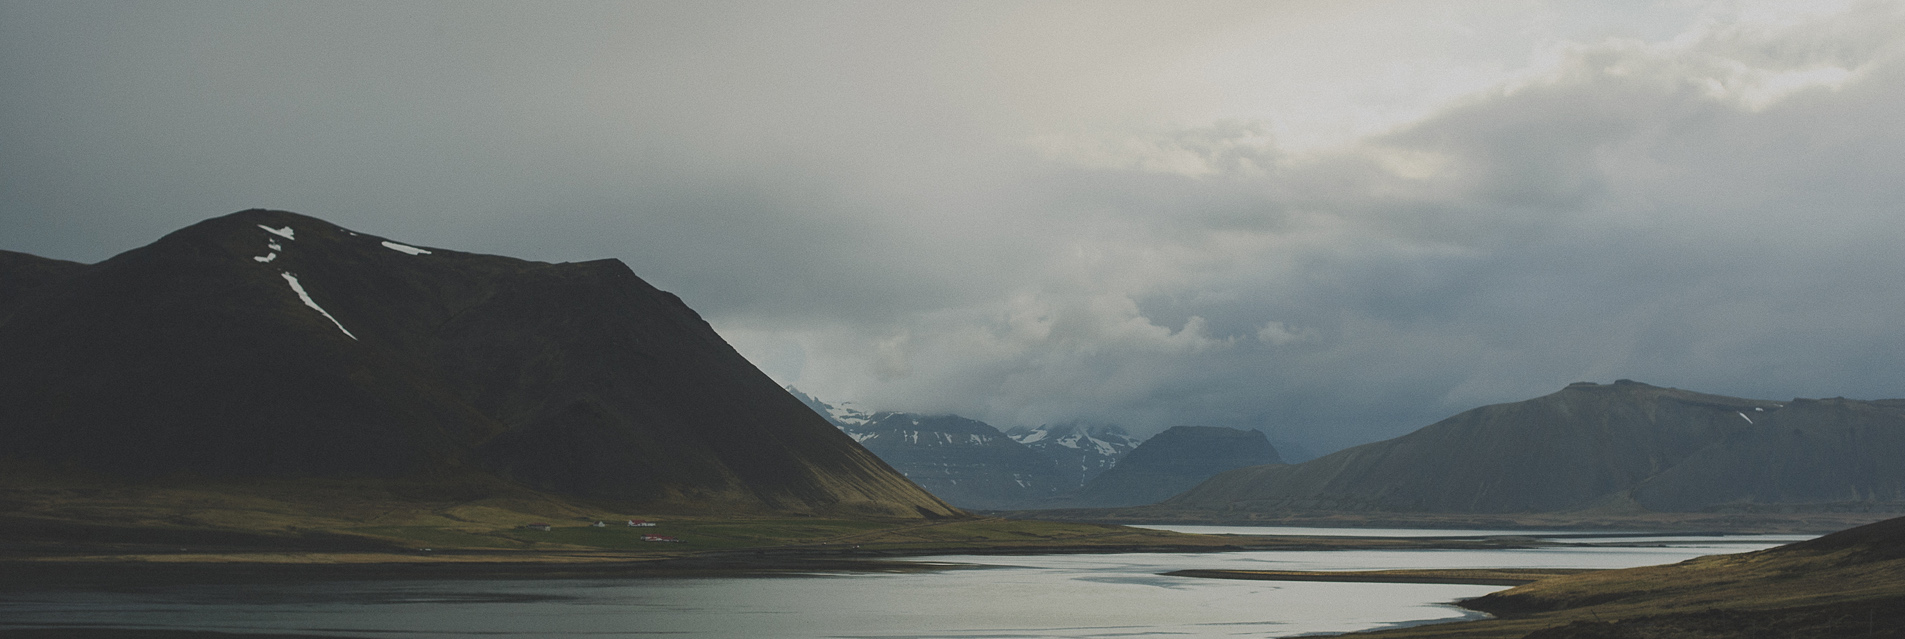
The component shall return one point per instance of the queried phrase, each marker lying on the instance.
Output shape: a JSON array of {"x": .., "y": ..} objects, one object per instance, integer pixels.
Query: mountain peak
[{"x": 272, "y": 344}]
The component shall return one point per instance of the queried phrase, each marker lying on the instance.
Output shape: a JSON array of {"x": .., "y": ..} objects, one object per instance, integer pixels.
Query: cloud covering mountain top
[{"x": 1333, "y": 221}]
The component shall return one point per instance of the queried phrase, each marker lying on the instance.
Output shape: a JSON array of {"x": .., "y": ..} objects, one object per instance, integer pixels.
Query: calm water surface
[{"x": 977, "y": 597}]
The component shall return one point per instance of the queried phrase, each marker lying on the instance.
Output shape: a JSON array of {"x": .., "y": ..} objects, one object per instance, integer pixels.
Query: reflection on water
[
  {"x": 1121, "y": 595},
  {"x": 1307, "y": 531}
]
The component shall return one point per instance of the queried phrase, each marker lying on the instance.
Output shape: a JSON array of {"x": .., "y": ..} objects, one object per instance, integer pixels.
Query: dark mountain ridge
[
  {"x": 1624, "y": 445},
  {"x": 1810, "y": 451},
  {"x": 271, "y": 344},
  {"x": 23, "y": 277}
]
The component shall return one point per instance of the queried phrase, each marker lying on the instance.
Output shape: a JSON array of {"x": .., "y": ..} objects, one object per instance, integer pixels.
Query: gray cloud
[{"x": 1034, "y": 213}]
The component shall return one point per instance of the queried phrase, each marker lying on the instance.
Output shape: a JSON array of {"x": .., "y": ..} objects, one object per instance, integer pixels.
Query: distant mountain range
[
  {"x": 1082, "y": 451},
  {"x": 966, "y": 462},
  {"x": 1621, "y": 447},
  {"x": 972, "y": 464},
  {"x": 1174, "y": 461},
  {"x": 271, "y": 344}
]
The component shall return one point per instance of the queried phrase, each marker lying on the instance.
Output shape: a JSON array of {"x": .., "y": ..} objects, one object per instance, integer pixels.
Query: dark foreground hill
[
  {"x": 266, "y": 344},
  {"x": 1843, "y": 585},
  {"x": 1173, "y": 461},
  {"x": 1625, "y": 446}
]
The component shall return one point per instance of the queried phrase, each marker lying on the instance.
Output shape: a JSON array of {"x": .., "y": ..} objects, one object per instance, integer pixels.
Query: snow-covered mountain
[
  {"x": 966, "y": 462},
  {"x": 1080, "y": 449},
  {"x": 845, "y": 416}
]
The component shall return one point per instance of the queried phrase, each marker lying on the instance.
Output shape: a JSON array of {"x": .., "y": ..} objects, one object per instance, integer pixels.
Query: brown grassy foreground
[{"x": 1848, "y": 584}]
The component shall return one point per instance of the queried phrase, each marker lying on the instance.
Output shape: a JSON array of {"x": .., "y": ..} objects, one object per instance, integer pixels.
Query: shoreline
[
  {"x": 146, "y": 565},
  {"x": 251, "y": 566},
  {"x": 238, "y": 567},
  {"x": 1447, "y": 576},
  {"x": 1745, "y": 522},
  {"x": 133, "y": 569},
  {"x": 92, "y": 573}
]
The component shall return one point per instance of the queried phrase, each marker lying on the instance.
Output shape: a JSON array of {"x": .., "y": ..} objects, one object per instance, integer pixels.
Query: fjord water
[{"x": 969, "y": 597}]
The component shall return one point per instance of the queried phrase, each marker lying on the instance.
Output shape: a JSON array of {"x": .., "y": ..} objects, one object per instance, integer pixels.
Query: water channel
[{"x": 968, "y": 597}]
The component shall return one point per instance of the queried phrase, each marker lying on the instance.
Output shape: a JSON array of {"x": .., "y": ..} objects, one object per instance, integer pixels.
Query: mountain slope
[
  {"x": 24, "y": 277},
  {"x": 1173, "y": 461},
  {"x": 1568, "y": 450},
  {"x": 1808, "y": 452},
  {"x": 270, "y": 344}
]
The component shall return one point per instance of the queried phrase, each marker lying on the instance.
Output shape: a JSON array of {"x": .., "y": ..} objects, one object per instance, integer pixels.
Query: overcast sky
[{"x": 1334, "y": 221}]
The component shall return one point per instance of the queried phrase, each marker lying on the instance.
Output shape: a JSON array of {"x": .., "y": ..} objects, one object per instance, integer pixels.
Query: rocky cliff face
[
  {"x": 1621, "y": 445},
  {"x": 1173, "y": 461},
  {"x": 267, "y": 343}
]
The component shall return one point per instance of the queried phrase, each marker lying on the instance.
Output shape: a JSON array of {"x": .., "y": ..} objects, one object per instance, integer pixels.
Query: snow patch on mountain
[
  {"x": 1084, "y": 450},
  {"x": 845, "y": 416},
  {"x": 287, "y": 232},
  {"x": 299, "y": 289},
  {"x": 404, "y": 248},
  {"x": 967, "y": 462}
]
